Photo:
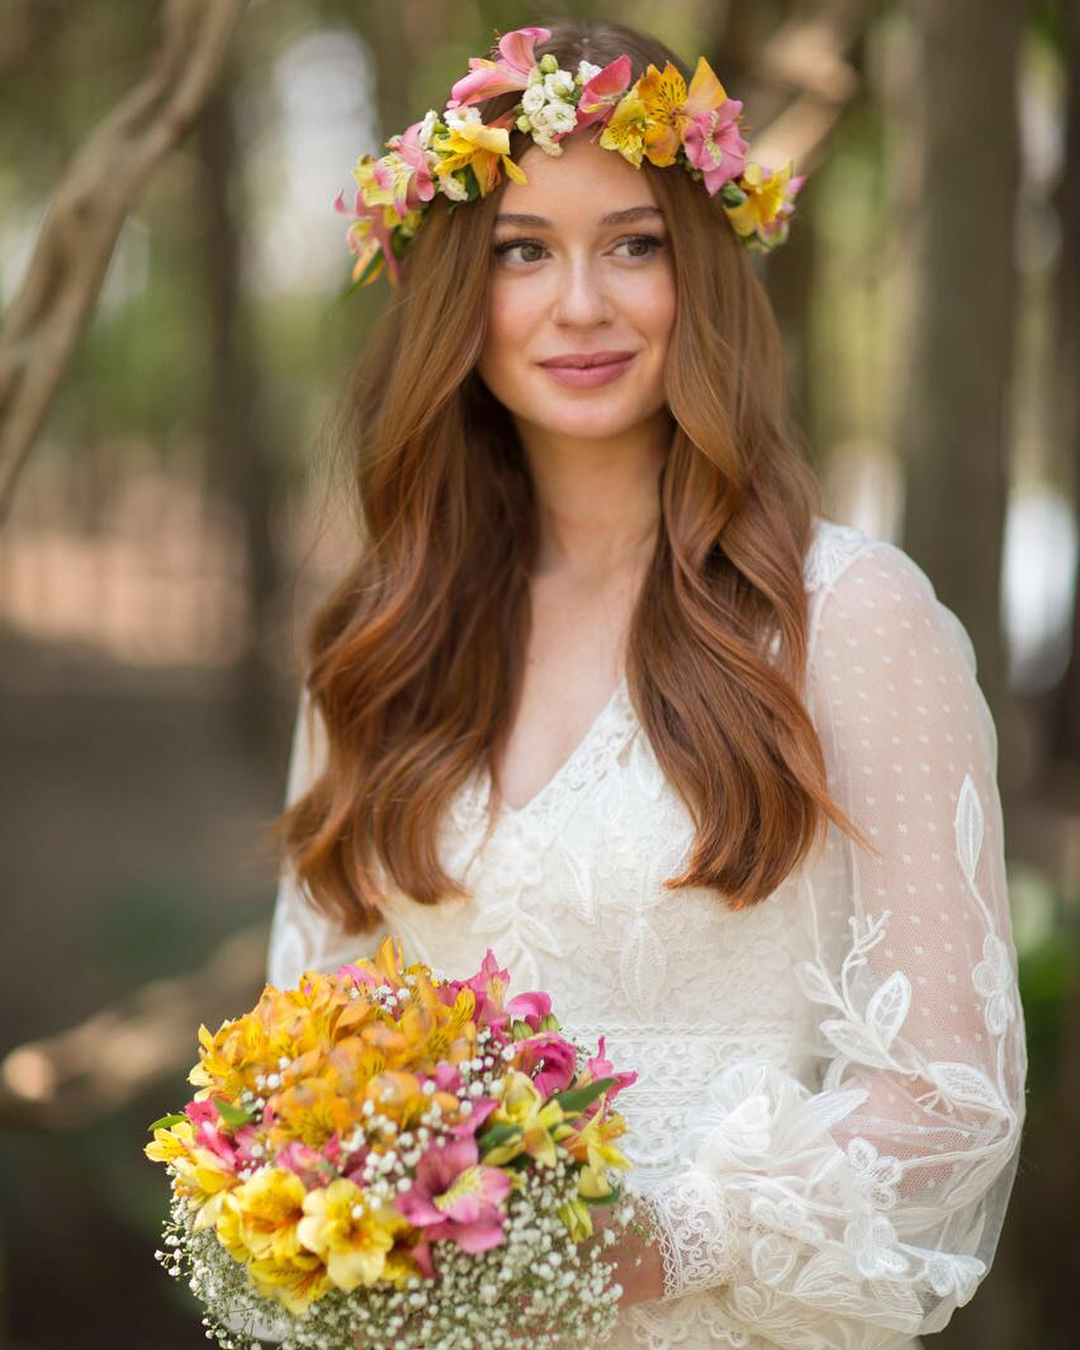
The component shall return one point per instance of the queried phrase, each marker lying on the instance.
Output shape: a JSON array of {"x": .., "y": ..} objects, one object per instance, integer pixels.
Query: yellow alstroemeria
[
  {"x": 205, "y": 1182},
  {"x": 524, "y": 1107},
  {"x": 626, "y": 127},
  {"x": 269, "y": 1206},
  {"x": 575, "y": 1215},
  {"x": 353, "y": 1238},
  {"x": 764, "y": 198},
  {"x": 482, "y": 147},
  {"x": 669, "y": 106},
  {"x": 295, "y": 1283},
  {"x": 177, "y": 1141}
]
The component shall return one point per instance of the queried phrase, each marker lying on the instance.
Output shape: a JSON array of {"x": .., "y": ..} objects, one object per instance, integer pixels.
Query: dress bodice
[{"x": 796, "y": 1124}]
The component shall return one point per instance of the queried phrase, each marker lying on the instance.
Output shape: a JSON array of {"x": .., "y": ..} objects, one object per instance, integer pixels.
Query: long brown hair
[{"x": 416, "y": 658}]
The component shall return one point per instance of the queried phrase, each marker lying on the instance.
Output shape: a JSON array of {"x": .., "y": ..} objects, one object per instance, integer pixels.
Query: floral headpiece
[{"x": 657, "y": 117}]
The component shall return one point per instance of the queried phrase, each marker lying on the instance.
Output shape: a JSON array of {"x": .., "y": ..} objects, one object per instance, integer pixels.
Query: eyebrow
[{"x": 631, "y": 213}]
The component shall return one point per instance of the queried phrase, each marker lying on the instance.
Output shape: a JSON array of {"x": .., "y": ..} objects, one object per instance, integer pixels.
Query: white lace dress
[{"x": 831, "y": 1082}]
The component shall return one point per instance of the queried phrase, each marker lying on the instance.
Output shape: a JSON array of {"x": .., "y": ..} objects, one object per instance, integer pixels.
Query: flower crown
[{"x": 657, "y": 117}]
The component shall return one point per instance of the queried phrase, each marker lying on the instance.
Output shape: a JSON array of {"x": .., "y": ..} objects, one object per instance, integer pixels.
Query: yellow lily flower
[
  {"x": 353, "y": 1238},
  {"x": 669, "y": 106},
  {"x": 175, "y": 1142},
  {"x": 626, "y": 127},
  {"x": 764, "y": 198},
  {"x": 269, "y": 1205},
  {"x": 482, "y": 147},
  {"x": 523, "y": 1106},
  {"x": 575, "y": 1215},
  {"x": 295, "y": 1283}
]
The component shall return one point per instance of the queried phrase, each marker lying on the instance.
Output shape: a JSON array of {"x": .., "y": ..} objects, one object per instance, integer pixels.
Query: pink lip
[{"x": 586, "y": 370}]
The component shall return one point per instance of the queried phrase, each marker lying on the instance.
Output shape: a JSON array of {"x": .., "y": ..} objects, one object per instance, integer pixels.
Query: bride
[{"x": 603, "y": 690}]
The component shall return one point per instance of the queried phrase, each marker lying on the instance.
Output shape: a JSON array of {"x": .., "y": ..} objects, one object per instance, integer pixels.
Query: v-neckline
[{"x": 508, "y": 812}]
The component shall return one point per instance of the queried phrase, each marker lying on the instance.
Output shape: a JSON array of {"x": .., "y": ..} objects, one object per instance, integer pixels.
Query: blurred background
[{"x": 172, "y": 504}]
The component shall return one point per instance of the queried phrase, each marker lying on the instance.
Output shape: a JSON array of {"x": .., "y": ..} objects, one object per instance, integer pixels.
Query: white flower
[
  {"x": 427, "y": 127},
  {"x": 559, "y": 85},
  {"x": 456, "y": 118},
  {"x": 533, "y": 99},
  {"x": 556, "y": 118},
  {"x": 536, "y": 76},
  {"x": 586, "y": 71},
  {"x": 453, "y": 187}
]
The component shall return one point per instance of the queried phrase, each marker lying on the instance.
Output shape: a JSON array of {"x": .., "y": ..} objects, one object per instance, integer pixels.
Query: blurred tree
[
  {"x": 1065, "y": 735},
  {"x": 52, "y": 308},
  {"x": 239, "y": 450},
  {"x": 953, "y": 432}
]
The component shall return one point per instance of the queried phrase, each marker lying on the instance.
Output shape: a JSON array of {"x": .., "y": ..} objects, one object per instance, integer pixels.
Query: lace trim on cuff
[{"x": 695, "y": 1232}]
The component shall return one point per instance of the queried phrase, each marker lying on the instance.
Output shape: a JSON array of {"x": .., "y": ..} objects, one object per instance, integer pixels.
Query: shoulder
[{"x": 855, "y": 581}]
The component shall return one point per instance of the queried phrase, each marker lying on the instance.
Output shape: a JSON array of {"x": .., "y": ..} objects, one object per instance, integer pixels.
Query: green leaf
[
  {"x": 233, "y": 1116},
  {"x": 577, "y": 1099},
  {"x": 166, "y": 1122},
  {"x": 498, "y": 1134},
  {"x": 612, "y": 1198}
]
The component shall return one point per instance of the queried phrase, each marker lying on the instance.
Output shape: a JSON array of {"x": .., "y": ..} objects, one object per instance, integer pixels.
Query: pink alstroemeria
[
  {"x": 487, "y": 78},
  {"x": 404, "y": 172},
  {"x": 488, "y": 985},
  {"x": 366, "y": 236},
  {"x": 554, "y": 1053},
  {"x": 531, "y": 1008},
  {"x": 314, "y": 1168},
  {"x": 713, "y": 144},
  {"x": 600, "y": 94},
  {"x": 456, "y": 1196},
  {"x": 601, "y": 1067},
  {"x": 204, "y": 1116}
]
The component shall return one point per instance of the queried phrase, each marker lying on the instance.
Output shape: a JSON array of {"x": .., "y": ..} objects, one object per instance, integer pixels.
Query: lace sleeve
[
  {"x": 302, "y": 937},
  {"x": 858, "y": 1208}
]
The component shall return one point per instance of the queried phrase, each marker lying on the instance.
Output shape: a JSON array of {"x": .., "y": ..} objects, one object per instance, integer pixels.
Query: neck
[{"x": 597, "y": 497}]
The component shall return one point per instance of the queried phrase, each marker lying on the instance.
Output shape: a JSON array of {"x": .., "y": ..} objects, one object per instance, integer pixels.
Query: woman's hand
[{"x": 639, "y": 1265}]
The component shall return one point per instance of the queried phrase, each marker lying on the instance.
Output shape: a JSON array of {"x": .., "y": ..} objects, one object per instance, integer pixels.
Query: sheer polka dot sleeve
[
  {"x": 858, "y": 1204},
  {"x": 302, "y": 937}
]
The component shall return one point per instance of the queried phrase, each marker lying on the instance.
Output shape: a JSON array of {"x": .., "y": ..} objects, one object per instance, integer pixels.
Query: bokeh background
[{"x": 172, "y": 504}]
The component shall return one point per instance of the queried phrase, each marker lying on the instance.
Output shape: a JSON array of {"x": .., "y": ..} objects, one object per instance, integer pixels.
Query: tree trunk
[
  {"x": 240, "y": 462},
  {"x": 1065, "y": 735},
  {"x": 954, "y": 426}
]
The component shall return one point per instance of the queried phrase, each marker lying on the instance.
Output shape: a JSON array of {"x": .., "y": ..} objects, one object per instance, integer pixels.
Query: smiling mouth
[{"x": 586, "y": 362}]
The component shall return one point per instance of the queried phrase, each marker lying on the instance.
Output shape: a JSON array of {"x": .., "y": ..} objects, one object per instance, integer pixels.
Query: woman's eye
[
  {"x": 505, "y": 248},
  {"x": 649, "y": 240},
  {"x": 640, "y": 245}
]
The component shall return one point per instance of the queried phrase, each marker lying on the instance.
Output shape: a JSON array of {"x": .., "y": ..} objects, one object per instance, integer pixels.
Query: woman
[{"x": 605, "y": 692}]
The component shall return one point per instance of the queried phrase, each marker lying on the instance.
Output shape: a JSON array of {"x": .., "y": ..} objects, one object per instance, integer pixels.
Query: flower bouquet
[{"x": 385, "y": 1157}]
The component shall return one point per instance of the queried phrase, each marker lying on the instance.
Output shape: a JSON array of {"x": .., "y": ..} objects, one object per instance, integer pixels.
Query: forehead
[{"x": 585, "y": 179}]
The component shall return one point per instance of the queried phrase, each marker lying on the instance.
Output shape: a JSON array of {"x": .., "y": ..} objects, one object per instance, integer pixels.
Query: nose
[{"x": 581, "y": 300}]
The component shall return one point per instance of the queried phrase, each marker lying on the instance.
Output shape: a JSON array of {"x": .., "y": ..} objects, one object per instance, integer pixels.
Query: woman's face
[{"x": 581, "y": 268}]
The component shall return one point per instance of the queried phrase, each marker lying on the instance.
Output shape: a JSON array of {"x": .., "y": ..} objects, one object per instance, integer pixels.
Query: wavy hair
[{"x": 416, "y": 658}]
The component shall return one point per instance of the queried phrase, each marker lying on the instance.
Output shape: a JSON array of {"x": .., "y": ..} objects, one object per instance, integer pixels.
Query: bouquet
[{"x": 385, "y": 1157}]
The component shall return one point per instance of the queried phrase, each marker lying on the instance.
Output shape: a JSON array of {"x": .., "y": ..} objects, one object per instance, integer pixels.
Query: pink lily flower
[
  {"x": 312, "y": 1167},
  {"x": 482, "y": 1107},
  {"x": 455, "y": 1196},
  {"x": 553, "y": 1056},
  {"x": 204, "y": 1116},
  {"x": 488, "y": 78},
  {"x": 713, "y": 144},
  {"x": 601, "y": 1067},
  {"x": 365, "y": 243},
  {"x": 600, "y": 94},
  {"x": 531, "y": 1008}
]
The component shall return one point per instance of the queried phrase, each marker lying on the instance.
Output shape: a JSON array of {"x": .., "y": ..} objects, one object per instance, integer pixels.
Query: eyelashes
[{"x": 502, "y": 249}]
